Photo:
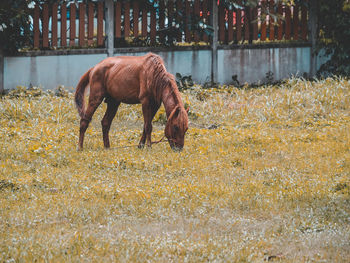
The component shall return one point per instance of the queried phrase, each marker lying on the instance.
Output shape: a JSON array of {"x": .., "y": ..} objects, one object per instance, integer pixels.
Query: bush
[
  {"x": 15, "y": 27},
  {"x": 334, "y": 35}
]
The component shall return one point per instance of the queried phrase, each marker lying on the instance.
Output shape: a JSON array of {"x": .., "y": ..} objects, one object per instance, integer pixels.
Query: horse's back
[{"x": 123, "y": 76}]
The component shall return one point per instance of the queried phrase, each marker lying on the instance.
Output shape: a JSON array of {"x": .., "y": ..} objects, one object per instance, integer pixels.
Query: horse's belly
[
  {"x": 125, "y": 94},
  {"x": 123, "y": 83},
  {"x": 130, "y": 101}
]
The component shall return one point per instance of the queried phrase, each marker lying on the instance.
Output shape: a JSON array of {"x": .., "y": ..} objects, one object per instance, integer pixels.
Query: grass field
[{"x": 264, "y": 175}]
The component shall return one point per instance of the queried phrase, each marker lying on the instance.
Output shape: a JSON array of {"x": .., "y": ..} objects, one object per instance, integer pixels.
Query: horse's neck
[{"x": 170, "y": 99}]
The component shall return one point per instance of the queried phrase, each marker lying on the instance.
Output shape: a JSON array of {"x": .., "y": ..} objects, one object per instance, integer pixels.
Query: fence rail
[
  {"x": 268, "y": 21},
  {"x": 165, "y": 22},
  {"x": 59, "y": 22}
]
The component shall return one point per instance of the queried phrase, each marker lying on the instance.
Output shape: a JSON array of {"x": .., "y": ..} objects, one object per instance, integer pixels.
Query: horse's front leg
[{"x": 149, "y": 110}]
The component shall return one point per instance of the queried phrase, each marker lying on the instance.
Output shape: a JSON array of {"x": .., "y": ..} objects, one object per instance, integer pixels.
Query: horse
[{"x": 132, "y": 80}]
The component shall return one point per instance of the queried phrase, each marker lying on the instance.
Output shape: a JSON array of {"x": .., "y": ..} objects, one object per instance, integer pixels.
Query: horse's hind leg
[
  {"x": 95, "y": 99},
  {"x": 112, "y": 107}
]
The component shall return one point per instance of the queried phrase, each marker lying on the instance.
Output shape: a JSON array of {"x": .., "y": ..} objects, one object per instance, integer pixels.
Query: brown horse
[{"x": 133, "y": 80}]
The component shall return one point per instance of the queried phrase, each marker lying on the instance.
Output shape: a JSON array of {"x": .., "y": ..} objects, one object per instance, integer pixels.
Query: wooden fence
[
  {"x": 56, "y": 25},
  {"x": 268, "y": 21},
  {"x": 165, "y": 22}
]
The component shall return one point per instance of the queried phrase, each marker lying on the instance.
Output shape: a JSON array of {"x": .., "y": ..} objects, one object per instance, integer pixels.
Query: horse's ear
[
  {"x": 177, "y": 111},
  {"x": 188, "y": 109}
]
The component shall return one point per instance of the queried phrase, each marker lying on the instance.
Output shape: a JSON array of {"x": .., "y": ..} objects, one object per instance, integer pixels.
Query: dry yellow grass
[{"x": 264, "y": 175}]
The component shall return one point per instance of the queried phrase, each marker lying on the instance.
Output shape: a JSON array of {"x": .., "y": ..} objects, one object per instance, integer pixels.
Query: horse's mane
[{"x": 158, "y": 78}]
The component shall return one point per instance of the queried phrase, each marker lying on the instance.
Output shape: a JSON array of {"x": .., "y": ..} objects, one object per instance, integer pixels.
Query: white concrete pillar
[
  {"x": 2, "y": 88},
  {"x": 110, "y": 26},
  {"x": 313, "y": 36},
  {"x": 214, "y": 45}
]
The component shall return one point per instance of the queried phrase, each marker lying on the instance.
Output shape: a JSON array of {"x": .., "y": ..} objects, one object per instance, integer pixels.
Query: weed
[{"x": 264, "y": 175}]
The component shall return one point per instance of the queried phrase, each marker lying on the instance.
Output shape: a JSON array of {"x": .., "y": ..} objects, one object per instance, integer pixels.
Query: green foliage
[
  {"x": 21, "y": 91},
  {"x": 61, "y": 91},
  {"x": 31, "y": 92},
  {"x": 334, "y": 26},
  {"x": 334, "y": 32},
  {"x": 333, "y": 23},
  {"x": 236, "y": 4},
  {"x": 16, "y": 31},
  {"x": 183, "y": 82},
  {"x": 235, "y": 81},
  {"x": 15, "y": 27}
]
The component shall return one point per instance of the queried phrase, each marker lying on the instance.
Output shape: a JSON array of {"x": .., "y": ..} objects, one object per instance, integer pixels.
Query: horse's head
[{"x": 176, "y": 128}]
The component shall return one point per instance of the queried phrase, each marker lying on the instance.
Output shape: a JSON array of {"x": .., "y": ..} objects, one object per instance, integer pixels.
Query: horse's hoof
[{"x": 141, "y": 146}]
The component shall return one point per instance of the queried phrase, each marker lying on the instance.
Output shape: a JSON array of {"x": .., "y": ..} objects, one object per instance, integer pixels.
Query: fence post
[
  {"x": 2, "y": 88},
  {"x": 313, "y": 36},
  {"x": 214, "y": 46},
  {"x": 109, "y": 27}
]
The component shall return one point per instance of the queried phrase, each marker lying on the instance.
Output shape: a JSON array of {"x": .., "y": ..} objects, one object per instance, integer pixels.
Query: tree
[
  {"x": 15, "y": 26},
  {"x": 333, "y": 24},
  {"x": 334, "y": 35}
]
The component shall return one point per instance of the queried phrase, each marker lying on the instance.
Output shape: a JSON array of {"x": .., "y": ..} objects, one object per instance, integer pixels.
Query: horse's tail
[{"x": 80, "y": 91}]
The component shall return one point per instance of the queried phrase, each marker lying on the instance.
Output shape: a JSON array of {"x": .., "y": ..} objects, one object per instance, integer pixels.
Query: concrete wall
[
  {"x": 196, "y": 63},
  {"x": 47, "y": 72},
  {"x": 1, "y": 72},
  {"x": 249, "y": 64}
]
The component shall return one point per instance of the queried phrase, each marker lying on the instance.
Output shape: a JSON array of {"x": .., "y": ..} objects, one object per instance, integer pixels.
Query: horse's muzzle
[{"x": 175, "y": 147}]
